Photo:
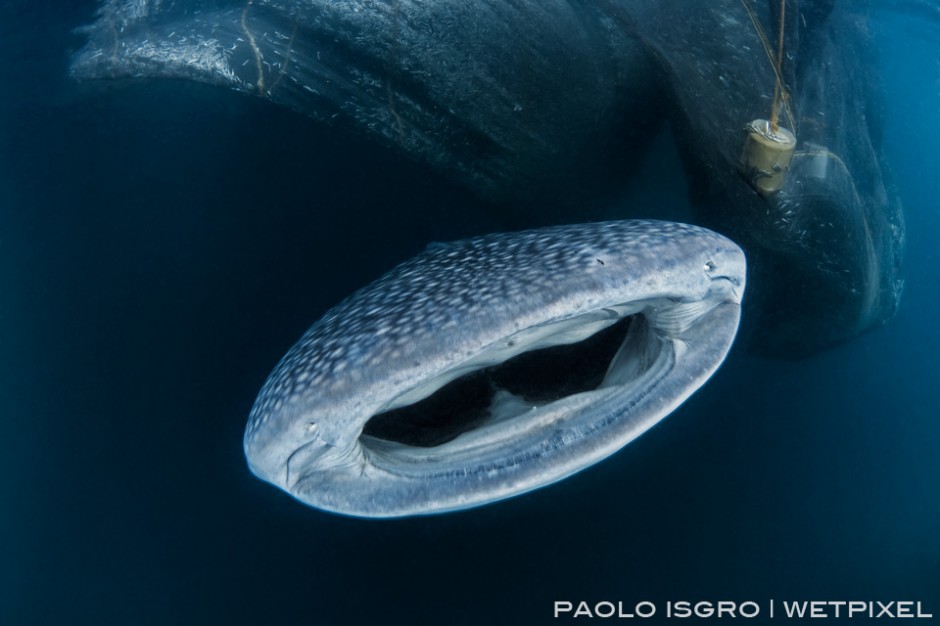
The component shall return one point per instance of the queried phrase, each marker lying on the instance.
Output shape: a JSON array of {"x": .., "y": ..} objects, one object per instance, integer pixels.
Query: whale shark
[{"x": 488, "y": 367}]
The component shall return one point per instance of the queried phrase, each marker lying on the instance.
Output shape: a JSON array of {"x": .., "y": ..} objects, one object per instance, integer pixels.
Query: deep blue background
[{"x": 161, "y": 246}]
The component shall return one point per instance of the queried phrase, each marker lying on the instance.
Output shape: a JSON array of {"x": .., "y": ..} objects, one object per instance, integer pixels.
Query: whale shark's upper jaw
[{"x": 493, "y": 366}]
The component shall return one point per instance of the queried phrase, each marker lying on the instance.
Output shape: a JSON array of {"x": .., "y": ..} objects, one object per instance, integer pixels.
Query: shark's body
[{"x": 455, "y": 320}]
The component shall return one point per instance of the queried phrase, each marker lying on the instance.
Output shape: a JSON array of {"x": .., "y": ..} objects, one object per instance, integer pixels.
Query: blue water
[{"x": 162, "y": 244}]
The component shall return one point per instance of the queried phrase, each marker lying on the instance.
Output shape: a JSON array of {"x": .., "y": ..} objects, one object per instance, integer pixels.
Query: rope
[
  {"x": 778, "y": 83},
  {"x": 783, "y": 99}
]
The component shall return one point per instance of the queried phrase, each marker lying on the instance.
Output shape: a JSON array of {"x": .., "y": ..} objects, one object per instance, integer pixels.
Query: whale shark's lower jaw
[{"x": 513, "y": 443}]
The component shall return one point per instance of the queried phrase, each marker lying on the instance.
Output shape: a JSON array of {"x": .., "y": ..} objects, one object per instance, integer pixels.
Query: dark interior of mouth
[{"x": 539, "y": 376}]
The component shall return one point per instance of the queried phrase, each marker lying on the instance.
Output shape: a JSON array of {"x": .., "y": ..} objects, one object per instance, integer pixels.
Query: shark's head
[{"x": 492, "y": 366}]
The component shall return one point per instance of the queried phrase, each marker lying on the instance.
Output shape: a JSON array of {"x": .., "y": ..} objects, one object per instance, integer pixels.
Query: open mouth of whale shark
[
  {"x": 518, "y": 386},
  {"x": 562, "y": 381}
]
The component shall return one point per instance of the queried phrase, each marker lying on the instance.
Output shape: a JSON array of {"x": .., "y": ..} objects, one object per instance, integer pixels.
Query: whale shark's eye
[{"x": 709, "y": 267}]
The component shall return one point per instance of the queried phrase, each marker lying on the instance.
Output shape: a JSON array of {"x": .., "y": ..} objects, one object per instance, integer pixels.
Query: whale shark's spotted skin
[{"x": 462, "y": 307}]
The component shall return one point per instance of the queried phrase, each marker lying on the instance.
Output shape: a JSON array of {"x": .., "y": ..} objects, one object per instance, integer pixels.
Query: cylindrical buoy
[{"x": 766, "y": 156}]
